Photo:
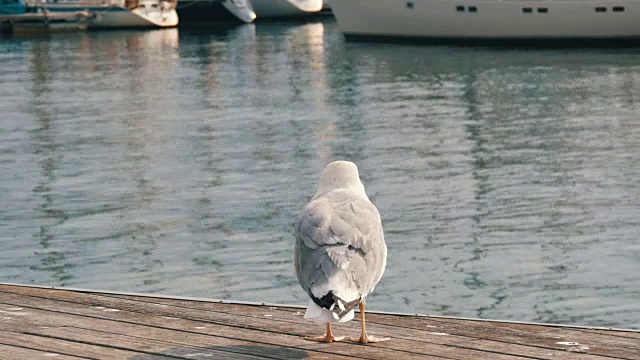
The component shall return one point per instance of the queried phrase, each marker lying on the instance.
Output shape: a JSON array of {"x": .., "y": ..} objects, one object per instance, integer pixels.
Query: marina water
[{"x": 175, "y": 161}]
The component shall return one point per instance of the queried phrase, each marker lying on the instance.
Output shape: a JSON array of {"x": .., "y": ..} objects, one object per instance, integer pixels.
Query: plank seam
[
  {"x": 176, "y": 343},
  {"x": 573, "y": 329},
  {"x": 41, "y": 350},
  {"x": 104, "y": 345}
]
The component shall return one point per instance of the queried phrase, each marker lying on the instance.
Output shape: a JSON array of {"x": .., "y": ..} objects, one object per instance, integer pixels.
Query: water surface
[{"x": 175, "y": 161}]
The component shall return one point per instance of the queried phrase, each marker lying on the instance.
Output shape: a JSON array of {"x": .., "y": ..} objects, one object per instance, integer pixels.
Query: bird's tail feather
[
  {"x": 338, "y": 307},
  {"x": 341, "y": 308}
]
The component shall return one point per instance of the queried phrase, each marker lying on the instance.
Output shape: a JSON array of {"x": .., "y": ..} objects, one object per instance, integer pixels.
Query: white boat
[
  {"x": 285, "y": 8},
  {"x": 215, "y": 11},
  {"x": 117, "y": 13},
  {"x": 489, "y": 19},
  {"x": 15, "y": 18},
  {"x": 242, "y": 9},
  {"x": 45, "y": 22}
]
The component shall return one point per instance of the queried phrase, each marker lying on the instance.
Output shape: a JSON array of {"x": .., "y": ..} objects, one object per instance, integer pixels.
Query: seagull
[{"x": 340, "y": 253}]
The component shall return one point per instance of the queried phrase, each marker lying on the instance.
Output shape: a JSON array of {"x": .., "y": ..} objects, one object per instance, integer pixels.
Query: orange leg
[
  {"x": 328, "y": 338},
  {"x": 364, "y": 338}
]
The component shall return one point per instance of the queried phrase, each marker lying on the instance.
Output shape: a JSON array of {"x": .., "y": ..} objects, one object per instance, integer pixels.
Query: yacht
[{"x": 489, "y": 19}]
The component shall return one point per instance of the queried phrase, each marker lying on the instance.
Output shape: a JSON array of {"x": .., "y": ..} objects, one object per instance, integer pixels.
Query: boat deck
[
  {"x": 76, "y": 20},
  {"x": 38, "y": 322},
  {"x": 45, "y": 16}
]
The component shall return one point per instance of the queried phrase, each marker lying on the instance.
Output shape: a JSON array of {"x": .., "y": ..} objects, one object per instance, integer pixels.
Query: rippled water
[{"x": 175, "y": 162}]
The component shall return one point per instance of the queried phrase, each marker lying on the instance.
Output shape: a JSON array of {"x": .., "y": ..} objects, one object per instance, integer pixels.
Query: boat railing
[
  {"x": 105, "y": 3},
  {"x": 129, "y": 4}
]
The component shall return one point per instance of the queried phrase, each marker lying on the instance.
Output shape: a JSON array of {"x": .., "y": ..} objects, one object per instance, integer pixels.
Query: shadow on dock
[{"x": 226, "y": 352}]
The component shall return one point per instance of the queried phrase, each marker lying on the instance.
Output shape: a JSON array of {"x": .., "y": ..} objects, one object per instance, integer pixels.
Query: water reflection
[
  {"x": 175, "y": 162},
  {"x": 51, "y": 255},
  {"x": 526, "y": 137},
  {"x": 57, "y": 96}
]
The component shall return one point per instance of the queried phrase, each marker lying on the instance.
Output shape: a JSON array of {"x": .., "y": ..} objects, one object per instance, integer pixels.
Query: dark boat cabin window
[
  {"x": 527, "y": 10},
  {"x": 601, "y": 9},
  {"x": 618, "y": 9},
  {"x": 460, "y": 8},
  {"x": 543, "y": 10},
  {"x": 410, "y": 5},
  {"x": 473, "y": 9}
]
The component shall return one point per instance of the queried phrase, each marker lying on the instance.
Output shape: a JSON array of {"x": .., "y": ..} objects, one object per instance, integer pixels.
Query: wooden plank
[
  {"x": 265, "y": 335},
  {"x": 153, "y": 326},
  {"x": 427, "y": 334},
  {"x": 188, "y": 327},
  {"x": 466, "y": 348},
  {"x": 623, "y": 334},
  {"x": 542, "y": 341},
  {"x": 545, "y": 337},
  {"x": 234, "y": 308},
  {"x": 69, "y": 348},
  {"x": 60, "y": 324},
  {"x": 609, "y": 335},
  {"x": 8, "y": 352},
  {"x": 495, "y": 347},
  {"x": 554, "y": 335},
  {"x": 144, "y": 344}
]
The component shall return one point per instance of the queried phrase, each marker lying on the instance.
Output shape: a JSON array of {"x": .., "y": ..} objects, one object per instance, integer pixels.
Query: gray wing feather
[{"x": 339, "y": 239}]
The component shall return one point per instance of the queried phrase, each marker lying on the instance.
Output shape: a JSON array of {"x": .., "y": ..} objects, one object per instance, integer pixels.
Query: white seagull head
[{"x": 340, "y": 175}]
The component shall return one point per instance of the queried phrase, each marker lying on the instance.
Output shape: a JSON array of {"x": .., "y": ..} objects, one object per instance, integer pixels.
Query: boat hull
[
  {"x": 285, "y": 8},
  {"x": 489, "y": 19},
  {"x": 109, "y": 16},
  {"x": 215, "y": 11},
  {"x": 45, "y": 22},
  {"x": 157, "y": 17},
  {"x": 242, "y": 9}
]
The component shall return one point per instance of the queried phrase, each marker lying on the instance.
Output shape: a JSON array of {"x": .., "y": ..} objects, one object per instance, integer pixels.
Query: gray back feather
[{"x": 339, "y": 242}]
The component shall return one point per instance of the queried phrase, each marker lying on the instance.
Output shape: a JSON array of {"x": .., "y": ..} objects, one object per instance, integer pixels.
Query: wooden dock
[{"x": 41, "y": 322}]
